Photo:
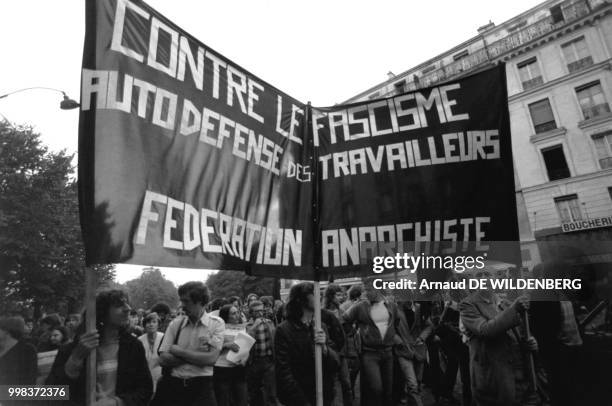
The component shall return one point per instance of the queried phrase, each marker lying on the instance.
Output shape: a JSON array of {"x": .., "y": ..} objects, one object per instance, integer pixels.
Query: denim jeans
[
  {"x": 412, "y": 370},
  {"x": 377, "y": 377}
]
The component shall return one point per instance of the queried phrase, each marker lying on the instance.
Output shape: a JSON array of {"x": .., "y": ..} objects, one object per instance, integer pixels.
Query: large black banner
[
  {"x": 185, "y": 158},
  {"x": 188, "y": 160},
  {"x": 434, "y": 165}
]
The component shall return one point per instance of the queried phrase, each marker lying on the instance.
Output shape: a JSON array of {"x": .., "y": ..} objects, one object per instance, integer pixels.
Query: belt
[
  {"x": 379, "y": 349},
  {"x": 196, "y": 380}
]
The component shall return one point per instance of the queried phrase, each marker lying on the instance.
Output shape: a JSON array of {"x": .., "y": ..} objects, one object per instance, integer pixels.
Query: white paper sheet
[{"x": 245, "y": 342}]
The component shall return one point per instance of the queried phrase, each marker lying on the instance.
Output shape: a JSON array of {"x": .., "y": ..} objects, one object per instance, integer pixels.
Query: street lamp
[{"x": 66, "y": 104}]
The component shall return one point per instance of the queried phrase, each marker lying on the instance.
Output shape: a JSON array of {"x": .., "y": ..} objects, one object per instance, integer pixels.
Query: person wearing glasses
[
  {"x": 491, "y": 328},
  {"x": 260, "y": 367}
]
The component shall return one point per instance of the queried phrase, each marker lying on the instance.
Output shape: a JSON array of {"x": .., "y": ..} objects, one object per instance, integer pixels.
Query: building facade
[{"x": 559, "y": 78}]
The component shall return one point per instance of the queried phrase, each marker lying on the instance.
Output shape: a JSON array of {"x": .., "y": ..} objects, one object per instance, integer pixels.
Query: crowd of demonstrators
[{"x": 377, "y": 350}]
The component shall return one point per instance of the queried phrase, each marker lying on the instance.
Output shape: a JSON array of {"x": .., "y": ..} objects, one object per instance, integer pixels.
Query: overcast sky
[{"x": 322, "y": 51}]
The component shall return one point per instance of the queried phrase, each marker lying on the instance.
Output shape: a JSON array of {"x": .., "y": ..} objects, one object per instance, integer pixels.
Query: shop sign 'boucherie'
[{"x": 587, "y": 224}]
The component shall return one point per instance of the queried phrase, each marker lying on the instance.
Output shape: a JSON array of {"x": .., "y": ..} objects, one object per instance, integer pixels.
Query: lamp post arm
[{"x": 32, "y": 88}]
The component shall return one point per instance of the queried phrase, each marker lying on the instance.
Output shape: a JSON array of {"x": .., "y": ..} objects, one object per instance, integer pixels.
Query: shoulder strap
[{"x": 178, "y": 333}]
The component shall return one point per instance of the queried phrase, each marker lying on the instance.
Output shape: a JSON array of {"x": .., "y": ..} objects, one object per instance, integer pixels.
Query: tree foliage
[
  {"x": 41, "y": 250},
  {"x": 233, "y": 283},
  {"x": 150, "y": 288}
]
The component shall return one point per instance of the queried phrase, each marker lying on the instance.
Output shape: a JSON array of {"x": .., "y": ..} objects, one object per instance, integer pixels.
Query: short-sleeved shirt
[{"x": 207, "y": 332}]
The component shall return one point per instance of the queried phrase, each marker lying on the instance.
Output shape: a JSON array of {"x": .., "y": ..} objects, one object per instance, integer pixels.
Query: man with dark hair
[
  {"x": 268, "y": 303},
  {"x": 215, "y": 305},
  {"x": 135, "y": 328},
  {"x": 294, "y": 346},
  {"x": 163, "y": 311},
  {"x": 260, "y": 367},
  {"x": 354, "y": 295},
  {"x": 190, "y": 349}
]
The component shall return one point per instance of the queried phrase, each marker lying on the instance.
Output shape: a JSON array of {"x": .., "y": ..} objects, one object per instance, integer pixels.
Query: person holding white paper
[{"x": 229, "y": 378}]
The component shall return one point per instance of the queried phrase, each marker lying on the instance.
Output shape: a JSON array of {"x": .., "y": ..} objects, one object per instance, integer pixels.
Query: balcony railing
[
  {"x": 544, "y": 127},
  {"x": 531, "y": 83},
  {"x": 606, "y": 162},
  {"x": 580, "y": 64},
  {"x": 571, "y": 11},
  {"x": 597, "y": 110}
]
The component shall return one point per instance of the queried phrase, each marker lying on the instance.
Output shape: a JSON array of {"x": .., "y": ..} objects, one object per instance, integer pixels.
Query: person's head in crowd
[
  {"x": 58, "y": 336},
  {"x": 141, "y": 312},
  {"x": 73, "y": 321},
  {"x": 162, "y": 310},
  {"x": 216, "y": 304},
  {"x": 235, "y": 301},
  {"x": 230, "y": 314},
  {"x": 301, "y": 296},
  {"x": 151, "y": 323},
  {"x": 256, "y": 309},
  {"x": 112, "y": 312},
  {"x": 194, "y": 297},
  {"x": 372, "y": 294},
  {"x": 355, "y": 292},
  {"x": 50, "y": 321},
  {"x": 28, "y": 327},
  {"x": 333, "y": 296},
  {"x": 11, "y": 330},
  {"x": 250, "y": 298},
  {"x": 268, "y": 302},
  {"x": 133, "y": 318}
]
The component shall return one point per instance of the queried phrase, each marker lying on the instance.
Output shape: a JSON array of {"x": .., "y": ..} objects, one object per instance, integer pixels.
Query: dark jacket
[
  {"x": 370, "y": 334},
  {"x": 493, "y": 350},
  {"x": 295, "y": 364},
  {"x": 134, "y": 382},
  {"x": 18, "y": 365},
  {"x": 410, "y": 332}
]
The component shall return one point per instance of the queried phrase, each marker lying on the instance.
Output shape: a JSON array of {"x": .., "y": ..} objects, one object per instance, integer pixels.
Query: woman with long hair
[
  {"x": 229, "y": 378},
  {"x": 123, "y": 375},
  {"x": 294, "y": 345}
]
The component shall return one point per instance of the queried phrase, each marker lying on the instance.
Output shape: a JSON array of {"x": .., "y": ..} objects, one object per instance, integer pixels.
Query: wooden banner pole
[
  {"x": 90, "y": 320},
  {"x": 318, "y": 348},
  {"x": 316, "y": 232}
]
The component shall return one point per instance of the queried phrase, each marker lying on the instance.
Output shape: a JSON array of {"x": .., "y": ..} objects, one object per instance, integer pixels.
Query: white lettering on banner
[
  {"x": 241, "y": 87},
  {"x": 215, "y": 232},
  {"x": 404, "y": 113},
  {"x": 455, "y": 147},
  {"x": 213, "y": 128},
  {"x": 344, "y": 246}
]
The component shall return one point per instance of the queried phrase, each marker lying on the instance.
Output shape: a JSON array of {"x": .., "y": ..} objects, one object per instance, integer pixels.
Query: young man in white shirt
[{"x": 193, "y": 355}]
